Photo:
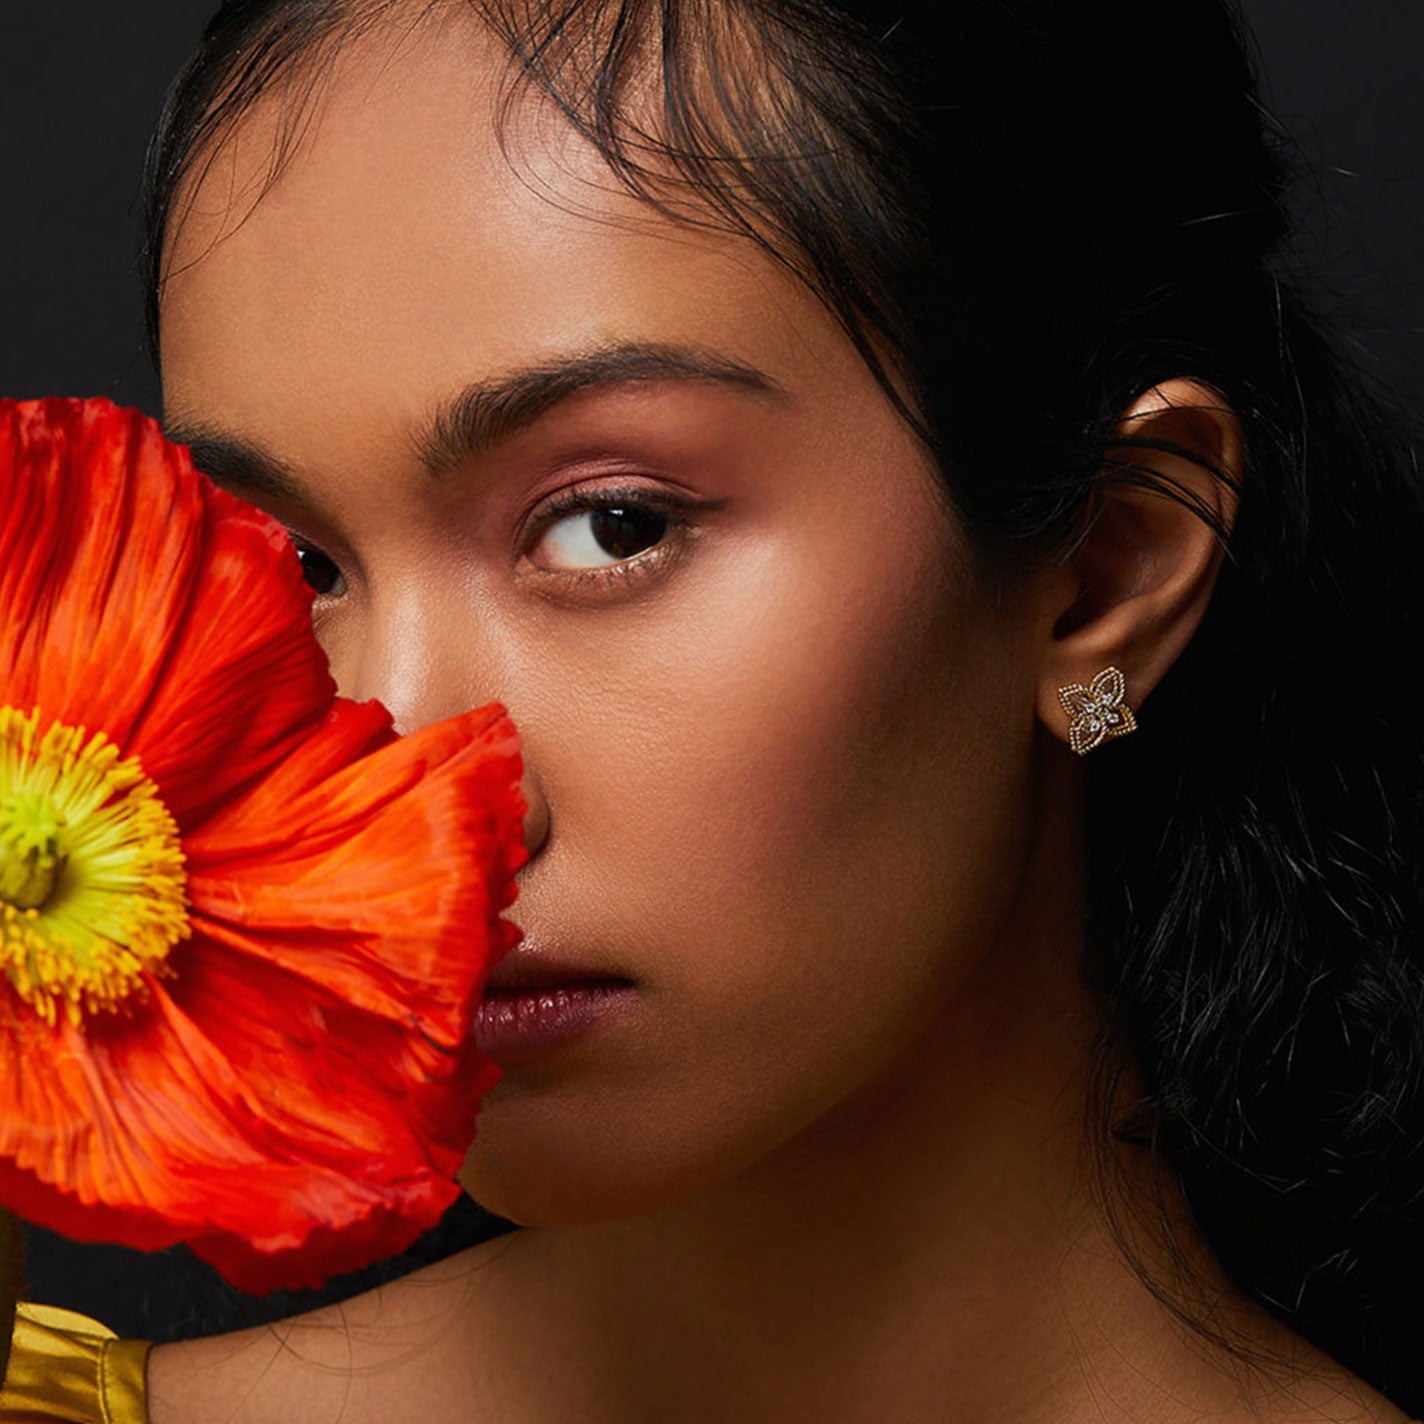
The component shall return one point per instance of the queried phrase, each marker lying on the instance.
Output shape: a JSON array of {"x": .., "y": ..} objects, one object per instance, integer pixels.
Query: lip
[{"x": 533, "y": 1006}]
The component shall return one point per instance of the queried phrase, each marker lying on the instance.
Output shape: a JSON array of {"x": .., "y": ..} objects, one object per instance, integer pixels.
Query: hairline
[{"x": 309, "y": 65}]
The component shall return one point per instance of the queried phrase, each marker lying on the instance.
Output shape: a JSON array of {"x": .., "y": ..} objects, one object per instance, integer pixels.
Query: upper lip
[{"x": 528, "y": 969}]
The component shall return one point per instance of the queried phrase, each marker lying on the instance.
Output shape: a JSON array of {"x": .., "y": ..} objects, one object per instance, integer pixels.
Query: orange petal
[
  {"x": 96, "y": 562},
  {"x": 155, "y": 615},
  {"x": 382, "y": 879},
  {"x": 298, "y": 1096},
  {"x": 259, "y": 1113}
]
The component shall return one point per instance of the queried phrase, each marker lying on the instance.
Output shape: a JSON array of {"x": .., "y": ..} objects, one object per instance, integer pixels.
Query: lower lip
[{"x": 519, "y": 1025}]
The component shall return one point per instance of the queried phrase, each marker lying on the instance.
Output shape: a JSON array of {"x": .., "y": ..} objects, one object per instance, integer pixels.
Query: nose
[
  {"x": 421, "y": 664},
  {"x": 536, "y": 812}
]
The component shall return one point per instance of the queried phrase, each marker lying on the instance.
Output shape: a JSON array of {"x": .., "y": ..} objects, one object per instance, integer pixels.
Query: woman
[{"x": 816, "y": 422}]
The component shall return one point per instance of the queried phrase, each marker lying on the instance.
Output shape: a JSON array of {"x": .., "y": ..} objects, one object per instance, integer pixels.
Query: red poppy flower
[{"x": 244, "y": 927}]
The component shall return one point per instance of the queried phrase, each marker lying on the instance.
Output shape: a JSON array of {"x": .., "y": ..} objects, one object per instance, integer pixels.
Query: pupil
[
  {"x": 320, "y": 572},
  {"x": 622, "y": 533}
]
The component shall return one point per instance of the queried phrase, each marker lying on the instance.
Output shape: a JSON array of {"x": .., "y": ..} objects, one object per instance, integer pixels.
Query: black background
[{"x": 81, "y": 82}]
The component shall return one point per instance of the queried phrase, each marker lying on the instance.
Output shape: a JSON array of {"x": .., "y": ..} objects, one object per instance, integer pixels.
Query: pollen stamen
[
  {"x": 92, "y": 883},
  {"x": 30, "y": 858}
]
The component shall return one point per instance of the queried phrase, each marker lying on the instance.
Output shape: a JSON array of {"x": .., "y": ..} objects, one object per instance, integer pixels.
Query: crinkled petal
[
  {"x": 345, "y": 877},
  {"x": 295, "y": 1095},
  {"x": 86, "y": 545},
  {"x": 289, "y": 1123},
  {"x": 139, "y": 600},
  {"x": 298, "y": 1097}
]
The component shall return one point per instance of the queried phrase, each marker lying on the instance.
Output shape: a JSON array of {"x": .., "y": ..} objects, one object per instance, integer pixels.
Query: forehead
[{"x": 407, "y": 242}]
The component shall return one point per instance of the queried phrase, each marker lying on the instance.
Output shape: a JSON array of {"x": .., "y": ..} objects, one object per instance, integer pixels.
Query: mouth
[{"x": 533, "y": 1007}]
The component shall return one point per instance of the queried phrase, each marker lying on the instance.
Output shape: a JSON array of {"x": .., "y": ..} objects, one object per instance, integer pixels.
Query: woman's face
[{"x": 777, "y": 735}]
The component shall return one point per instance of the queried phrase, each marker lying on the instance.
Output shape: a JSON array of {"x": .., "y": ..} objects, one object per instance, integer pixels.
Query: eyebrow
[
  {"x": 488, "y": 412},
  {"x": 236, "y": 464},
  {"x": 485, "y": 412}
]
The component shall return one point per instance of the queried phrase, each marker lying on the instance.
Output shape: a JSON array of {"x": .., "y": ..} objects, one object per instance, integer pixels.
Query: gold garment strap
[{"x": 68, "y": 1369}]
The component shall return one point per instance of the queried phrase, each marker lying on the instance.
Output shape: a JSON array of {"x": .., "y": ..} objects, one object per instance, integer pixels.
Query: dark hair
[{"x": 1025, "y": 213}]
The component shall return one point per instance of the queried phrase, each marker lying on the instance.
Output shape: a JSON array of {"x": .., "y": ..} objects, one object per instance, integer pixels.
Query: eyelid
[
  {"x": 303, "y": 544},
  {"x": 625, "y": 574},
  {"x": 584, "y": 498}
]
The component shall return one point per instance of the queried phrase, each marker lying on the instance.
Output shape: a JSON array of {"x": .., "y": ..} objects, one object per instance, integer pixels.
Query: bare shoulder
[
  {"x": 500, "y": 1333},
  {"x": 1312, "y": 1388},
  {"x": 402, "y": 1350},
  {"x": 1347, "y": 1400}
]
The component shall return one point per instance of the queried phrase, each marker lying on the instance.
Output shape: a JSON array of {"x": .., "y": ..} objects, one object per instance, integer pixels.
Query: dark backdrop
[{"x": 81, "y": 83}]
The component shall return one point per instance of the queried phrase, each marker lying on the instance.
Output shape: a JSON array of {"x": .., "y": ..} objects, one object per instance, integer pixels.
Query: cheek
[
  {"x": 838, "y": 873},
  {"x": 806, "y": 741},
  {"x": 786, "y": 818}
]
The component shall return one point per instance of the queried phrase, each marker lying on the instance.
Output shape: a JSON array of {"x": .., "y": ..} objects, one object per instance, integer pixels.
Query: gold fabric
[{"x": 68, "y": 1369}]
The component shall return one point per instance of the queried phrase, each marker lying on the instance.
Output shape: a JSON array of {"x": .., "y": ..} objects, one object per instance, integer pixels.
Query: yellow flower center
[
  {"x": 92, "y": 885},
  {"x": 30, "y": 858}
]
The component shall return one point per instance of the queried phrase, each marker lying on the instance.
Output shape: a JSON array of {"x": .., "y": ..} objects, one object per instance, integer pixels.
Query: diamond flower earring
[{"x": 1098, "y": 712}]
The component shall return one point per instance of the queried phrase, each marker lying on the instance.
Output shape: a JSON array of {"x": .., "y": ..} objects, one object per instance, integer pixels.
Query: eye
[
  {"x": 612, "y": 533},
  {"x": 320, "y": 572}
]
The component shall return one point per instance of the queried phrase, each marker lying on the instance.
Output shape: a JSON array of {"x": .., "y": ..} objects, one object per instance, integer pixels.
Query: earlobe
[{"x": 1144, "y": 571}]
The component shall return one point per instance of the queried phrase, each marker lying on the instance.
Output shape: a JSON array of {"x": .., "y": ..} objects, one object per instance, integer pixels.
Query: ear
[{"x": 1135, "y": 590}]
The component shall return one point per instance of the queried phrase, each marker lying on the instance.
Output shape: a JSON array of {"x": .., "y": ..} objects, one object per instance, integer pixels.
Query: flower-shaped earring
[{"x": 1098, "y": 712}]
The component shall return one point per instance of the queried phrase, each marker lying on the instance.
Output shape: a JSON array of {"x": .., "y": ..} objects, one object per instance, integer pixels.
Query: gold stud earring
[{"x": 1098, "y": 712}]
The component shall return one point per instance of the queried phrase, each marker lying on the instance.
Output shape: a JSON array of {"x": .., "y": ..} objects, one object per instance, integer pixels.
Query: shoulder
[{"x": 398, "y": 1351}]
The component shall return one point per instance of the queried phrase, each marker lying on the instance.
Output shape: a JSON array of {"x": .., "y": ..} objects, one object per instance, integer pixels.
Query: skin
[{"x": 794, "y": 771}]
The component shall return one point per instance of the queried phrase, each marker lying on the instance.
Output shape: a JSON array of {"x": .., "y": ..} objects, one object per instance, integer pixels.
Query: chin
[
  {"x": 537, "y": 1167},
  {"x": 556, "y": 1189}
]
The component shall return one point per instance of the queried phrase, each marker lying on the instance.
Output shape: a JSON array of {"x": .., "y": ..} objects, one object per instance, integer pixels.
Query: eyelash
[
  {"x": 305, "y": 547},
  {"x": 625, "y": 572}
]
